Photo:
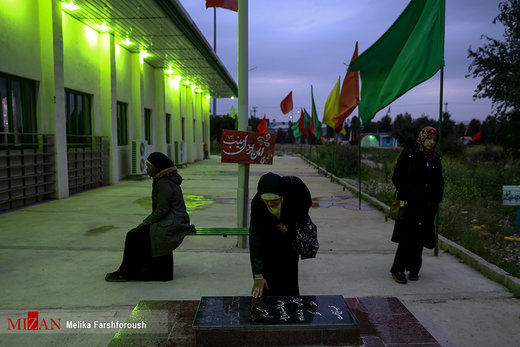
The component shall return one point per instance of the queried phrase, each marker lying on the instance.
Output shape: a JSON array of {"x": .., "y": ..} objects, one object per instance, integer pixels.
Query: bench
[{"x": 202, "y": 231}]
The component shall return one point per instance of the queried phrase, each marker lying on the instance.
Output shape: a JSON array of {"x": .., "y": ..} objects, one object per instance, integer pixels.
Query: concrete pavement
[{"x": 54, "y": 256}]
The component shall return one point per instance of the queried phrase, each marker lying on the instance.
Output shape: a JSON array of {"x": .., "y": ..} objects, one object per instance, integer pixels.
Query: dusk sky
[{"x": 294, "y": 44}]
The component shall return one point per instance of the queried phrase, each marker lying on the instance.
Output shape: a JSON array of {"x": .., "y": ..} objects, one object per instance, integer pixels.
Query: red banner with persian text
[{"x": 246, "y": 147}]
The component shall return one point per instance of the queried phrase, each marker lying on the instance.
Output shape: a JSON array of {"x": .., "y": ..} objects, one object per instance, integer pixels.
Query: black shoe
[
  {"x": 399, "y": 277},
  {"x": 115, "y": 277},
  {"x": 413, "y": 277}
]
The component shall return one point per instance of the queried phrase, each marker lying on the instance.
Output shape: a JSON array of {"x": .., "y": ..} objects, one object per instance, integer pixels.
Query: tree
[
  {"x": 474, "y": 127},
  {"x": 497, "y": 63},
  {"x": 385, "y": 124},
  {"x": 403, "y": 130}
]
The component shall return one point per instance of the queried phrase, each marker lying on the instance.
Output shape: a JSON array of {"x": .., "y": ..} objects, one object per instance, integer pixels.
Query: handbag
[
  {"x": 397, "y": 209},
  {"x": 306, "y": 242}
]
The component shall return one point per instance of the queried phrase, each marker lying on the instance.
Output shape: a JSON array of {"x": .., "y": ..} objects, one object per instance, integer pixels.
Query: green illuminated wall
[
  {"x": 81, "y": 56},
  {"x": 64, "y": 53},
  {"x": 20, "y": 38}
]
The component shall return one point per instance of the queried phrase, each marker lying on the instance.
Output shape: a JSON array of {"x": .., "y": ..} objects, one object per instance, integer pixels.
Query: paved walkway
[{"x": 54, "y": 256}]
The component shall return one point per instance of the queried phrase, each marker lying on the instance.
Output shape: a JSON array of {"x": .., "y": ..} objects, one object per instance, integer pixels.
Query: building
[{"x": 89, "y": 87}]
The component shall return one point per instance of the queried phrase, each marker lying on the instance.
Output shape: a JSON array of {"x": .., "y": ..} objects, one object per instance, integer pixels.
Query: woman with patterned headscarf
[
  {"x": 420, "y": 184},
  {"x": 280, "y": 204},
  {"x": 148, "y": 248}
]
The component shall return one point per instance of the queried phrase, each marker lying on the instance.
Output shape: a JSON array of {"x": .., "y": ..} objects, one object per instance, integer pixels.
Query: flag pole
[
  {"x": 334, "y": 153},
  {"x": 436, "y": 250},
  {"x": 215, "y": 50},
  {"x": 243, "y": 169},
  {"x": 359, "y": 161}
]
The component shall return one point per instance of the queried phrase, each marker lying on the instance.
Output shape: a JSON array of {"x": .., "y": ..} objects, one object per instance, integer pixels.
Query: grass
[{"x": 471, "y": 214}]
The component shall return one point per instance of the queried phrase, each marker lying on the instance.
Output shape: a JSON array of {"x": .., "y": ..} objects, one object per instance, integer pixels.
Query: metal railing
[{"x": 27, "y": 169}]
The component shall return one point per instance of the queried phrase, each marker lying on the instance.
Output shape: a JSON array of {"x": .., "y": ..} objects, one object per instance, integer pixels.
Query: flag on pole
[
  {"x": 409, "y": 52},
  {"x": 477, "y": 135},
  {"x": 331, "y": 105},
  {"x": 262, "y": 127},
  {"x": 227, "y": 4},
  {"x": 302, "y": 123},
  {"x": 286, "y": 105},
  {"x": 296, "y": 130},
  {"x": 349, "y": 97},
  {"x": 315, "y": 123}
]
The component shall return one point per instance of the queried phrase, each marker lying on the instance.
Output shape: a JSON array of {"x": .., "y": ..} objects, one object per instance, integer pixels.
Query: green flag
[
  {"x": 296, "y": 131},
  {"x": 410, "y": 52},
  {"x": 315, "y": 121}
]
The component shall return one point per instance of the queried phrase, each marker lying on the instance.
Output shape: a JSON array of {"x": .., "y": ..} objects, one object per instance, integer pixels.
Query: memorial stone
[{"x": 315, "y": 320}]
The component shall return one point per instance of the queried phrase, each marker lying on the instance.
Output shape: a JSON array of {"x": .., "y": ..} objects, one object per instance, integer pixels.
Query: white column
[{"x": 243, "y": 169}]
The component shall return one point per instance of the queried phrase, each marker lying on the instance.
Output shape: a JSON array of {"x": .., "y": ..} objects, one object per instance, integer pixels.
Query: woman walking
[{"x": 420, "y": 184}]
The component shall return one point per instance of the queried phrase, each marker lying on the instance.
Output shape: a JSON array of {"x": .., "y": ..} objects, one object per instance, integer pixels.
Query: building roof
[{"x": 165, "y": 30}]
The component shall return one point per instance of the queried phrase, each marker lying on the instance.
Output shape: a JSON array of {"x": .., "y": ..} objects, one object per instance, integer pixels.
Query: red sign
[{"x": 247, "y": 147}]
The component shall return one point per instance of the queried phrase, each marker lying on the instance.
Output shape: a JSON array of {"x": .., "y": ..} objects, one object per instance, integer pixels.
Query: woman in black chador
[
  {"x": 419, "y": 182},
  {"x": 148, "y": 248},
  {"x": 279, "y": 204}
]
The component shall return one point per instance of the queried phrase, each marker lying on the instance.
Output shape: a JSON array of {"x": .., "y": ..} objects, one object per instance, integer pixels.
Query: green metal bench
[{"x": 202, "y": 231}]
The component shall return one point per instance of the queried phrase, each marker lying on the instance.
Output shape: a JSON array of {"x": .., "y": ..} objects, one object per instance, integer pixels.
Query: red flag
[
  {"x": 262, "y": 127},
  {"x": 227, "y": 4},
  {"x": 286, "y": 105},
  {"x": 477, "y": 136},
  {"x": 349, "y": 96},
  {"x": 301, "y": 126}
]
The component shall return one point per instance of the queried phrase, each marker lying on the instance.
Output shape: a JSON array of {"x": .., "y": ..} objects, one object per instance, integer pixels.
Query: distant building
[{"x": 381, "y": 139}]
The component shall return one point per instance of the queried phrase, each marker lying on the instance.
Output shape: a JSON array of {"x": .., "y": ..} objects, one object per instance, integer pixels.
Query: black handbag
[{"x": 306, "y": 242}]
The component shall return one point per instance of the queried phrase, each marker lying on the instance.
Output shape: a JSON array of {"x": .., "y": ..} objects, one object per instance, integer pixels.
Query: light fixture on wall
[
  {"x": 198, "y": 90},
  {"x": 186, "y": 82},
  {"x": 208, "y": 96},
  {"x": 169, "y": 71},
  {"x": 71, "y": 6},
  {"x": 144, "y": 53},
  {"x": 177, "y": 78},
  {"x": 103, "y": 27},
  {"x": 126, "y": 42}
]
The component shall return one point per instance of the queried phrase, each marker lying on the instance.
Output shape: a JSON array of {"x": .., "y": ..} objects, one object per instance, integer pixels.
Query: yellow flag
[{"x": 331, "y": 105}]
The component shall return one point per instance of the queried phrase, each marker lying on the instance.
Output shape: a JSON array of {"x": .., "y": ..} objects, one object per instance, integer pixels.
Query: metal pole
[
  {"x": 334, "y": 153},
  {"x": 439, "y": 146},
  {"x": 359, "y": 161},
  {"x": 243, "y": 169},
  {"x": 215, "y": 50}
]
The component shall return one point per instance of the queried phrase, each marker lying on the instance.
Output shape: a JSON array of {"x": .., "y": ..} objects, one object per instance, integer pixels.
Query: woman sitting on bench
[{"x": 148, "y": 248}]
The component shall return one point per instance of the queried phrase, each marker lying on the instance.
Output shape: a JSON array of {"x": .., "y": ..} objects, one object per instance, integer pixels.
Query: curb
[{"x": 476, "y": 262}]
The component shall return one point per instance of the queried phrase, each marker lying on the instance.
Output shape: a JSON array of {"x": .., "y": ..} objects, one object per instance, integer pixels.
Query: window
[
  {"x": 122, "y": 124},
  {"x": 182, "y": 128},
  {"x": 79, "y": 128},
  {"x": 17, "y": 111},
  {"x": 168, "y": 128},
  {"x": 148, "y": 125}
]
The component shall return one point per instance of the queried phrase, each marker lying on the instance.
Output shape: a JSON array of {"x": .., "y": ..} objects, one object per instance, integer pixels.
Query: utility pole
[
  {"x": 215, "y": 49},
  {"x": 254, "y": 111}
]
